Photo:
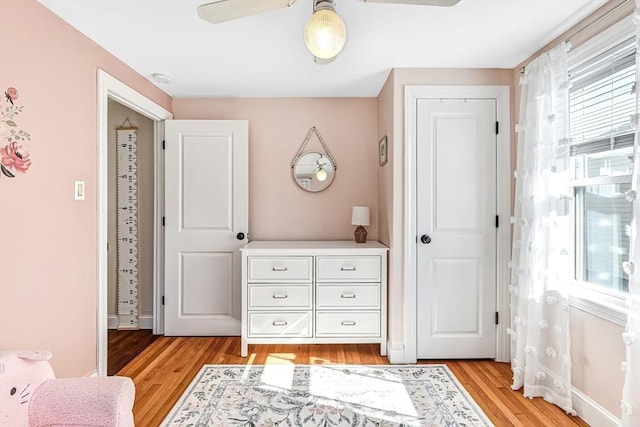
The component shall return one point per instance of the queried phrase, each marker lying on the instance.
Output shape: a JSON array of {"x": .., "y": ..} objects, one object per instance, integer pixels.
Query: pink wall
[
  {"x": 48, "y": 285},
  {"x": 278, "y": 208},
  {"x": 385, "y": 174}
]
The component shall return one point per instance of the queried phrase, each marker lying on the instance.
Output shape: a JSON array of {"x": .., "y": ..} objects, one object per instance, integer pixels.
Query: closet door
[{"x": 456, "y": 211}]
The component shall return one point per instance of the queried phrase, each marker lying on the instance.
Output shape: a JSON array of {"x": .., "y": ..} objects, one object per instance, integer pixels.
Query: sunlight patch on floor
[
  {"x": 278, "y": 375},
  {"x": 384, "y": 392},
  {"x": 379, "y": 390}
]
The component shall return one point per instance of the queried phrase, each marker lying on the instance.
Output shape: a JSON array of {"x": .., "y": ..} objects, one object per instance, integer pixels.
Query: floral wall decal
[{"x": 13, "y": 157}]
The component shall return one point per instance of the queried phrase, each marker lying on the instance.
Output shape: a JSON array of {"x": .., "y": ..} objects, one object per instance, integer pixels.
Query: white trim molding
[
  {"x": 145, "y": 321},
  {"x": 605, "y": 305},
  {"x": 112, "y": 322},
  {"x": 591, "y": 412},
  {"x": 503, "y": 202},
  {"x": 396, "y": 353},
  {"x": 108, "y": 87}
]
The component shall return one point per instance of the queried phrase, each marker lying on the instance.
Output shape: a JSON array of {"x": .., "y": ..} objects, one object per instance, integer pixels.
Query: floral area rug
[{"x": 325, "y": 395}]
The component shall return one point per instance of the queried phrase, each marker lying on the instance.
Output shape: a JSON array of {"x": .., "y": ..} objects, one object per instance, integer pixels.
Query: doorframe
[
  {"x": 111, "y": 88},
  {"x": 503, "y": 206}
]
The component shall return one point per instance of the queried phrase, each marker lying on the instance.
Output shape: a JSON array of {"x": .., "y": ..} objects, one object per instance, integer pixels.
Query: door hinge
[
  {"x": 163, "y": 221},
  {"x": 163, "y": 144},
  {"x": 497, "y": 221},
  {"x": 162, "y": 299},
  {"x": 497, "y": 128},
  {"x": 497, "y": 316}
]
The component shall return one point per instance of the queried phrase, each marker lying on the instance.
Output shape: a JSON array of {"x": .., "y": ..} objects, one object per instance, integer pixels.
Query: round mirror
[{"x": 313, "y": 171}]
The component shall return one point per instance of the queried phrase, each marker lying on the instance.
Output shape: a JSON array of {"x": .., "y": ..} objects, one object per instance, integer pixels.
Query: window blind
[
  {"x": 602, "y": 100},
  {"x": 603, "y": 144}
]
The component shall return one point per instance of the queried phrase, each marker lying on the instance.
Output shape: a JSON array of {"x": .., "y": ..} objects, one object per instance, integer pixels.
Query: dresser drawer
[
  {"x": 359, "y": 268},
  {"x": 285, "y": 296},
  {"x": 296, "y": 324},
  {"x": 347, "y": 323},
  {"x": 279, "y": 269},
  {"x": 366, "y": 295}
]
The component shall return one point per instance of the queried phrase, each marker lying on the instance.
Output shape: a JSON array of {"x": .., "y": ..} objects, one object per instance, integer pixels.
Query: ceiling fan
[{"x": 324, "y": 34}]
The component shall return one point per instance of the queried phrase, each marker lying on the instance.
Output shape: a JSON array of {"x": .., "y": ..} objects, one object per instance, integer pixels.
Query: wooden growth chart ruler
[{"x": 127, "y": 206}]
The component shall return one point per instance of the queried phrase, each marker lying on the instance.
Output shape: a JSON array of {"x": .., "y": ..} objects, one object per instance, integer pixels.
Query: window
[{"x": 601, "y": 103}]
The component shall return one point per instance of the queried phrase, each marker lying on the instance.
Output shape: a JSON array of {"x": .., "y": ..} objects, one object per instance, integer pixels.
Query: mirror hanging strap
[{"x": 324, "y": 145}]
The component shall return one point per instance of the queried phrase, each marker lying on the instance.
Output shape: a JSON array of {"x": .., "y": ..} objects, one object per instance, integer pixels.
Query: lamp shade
[
  {"x": 360, "y": 215},
  {"x": 325, "y": 34}
]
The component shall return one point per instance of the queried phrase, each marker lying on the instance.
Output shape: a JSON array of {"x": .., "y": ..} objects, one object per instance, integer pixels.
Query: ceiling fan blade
[
  {"x": 420, "y": 2},
  {"x": 227, "y": 10}
]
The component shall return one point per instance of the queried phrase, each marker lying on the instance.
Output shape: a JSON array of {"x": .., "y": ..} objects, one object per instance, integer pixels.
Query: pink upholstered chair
[{"x": 31, "y": 396}]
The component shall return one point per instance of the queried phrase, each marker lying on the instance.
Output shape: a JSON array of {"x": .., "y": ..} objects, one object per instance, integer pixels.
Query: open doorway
[
  {"x": 111, "y": 89},
  {"x": 130, "y": 331}
]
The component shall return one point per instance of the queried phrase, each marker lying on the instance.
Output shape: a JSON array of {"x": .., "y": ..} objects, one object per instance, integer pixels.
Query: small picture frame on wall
[{"x": 382, "y": 150}]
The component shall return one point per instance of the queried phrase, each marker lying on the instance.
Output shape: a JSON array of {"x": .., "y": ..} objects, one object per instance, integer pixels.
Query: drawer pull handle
[
  {"x": 276, "y": 296},
  {"x": 348, "y": 296},
  {"x": 279, "y": 268},
  {"x": 279, "y": 323},
  {"x": 347, "y": 268},
  {"x": 348, "y": 323}
]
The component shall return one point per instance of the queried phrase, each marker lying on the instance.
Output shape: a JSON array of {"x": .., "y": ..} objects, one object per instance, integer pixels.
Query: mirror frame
[
  {"x": 314, "y": 169},
  {"x": 329, "y": 168}
]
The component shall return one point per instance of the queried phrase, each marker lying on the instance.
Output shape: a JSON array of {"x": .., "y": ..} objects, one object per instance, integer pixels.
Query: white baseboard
[
  {"x": 591, "y": 412},
  {"x": 146, "y": 321},
  {"x": 395, "y": 353},
  {"x": 112, "y": 321}
]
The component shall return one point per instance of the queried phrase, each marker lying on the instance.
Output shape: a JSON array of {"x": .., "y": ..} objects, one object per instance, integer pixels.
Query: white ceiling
[{"x": 265, "y": 56}]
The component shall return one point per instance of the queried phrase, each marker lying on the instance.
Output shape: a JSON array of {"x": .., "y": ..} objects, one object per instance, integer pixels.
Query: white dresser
[{"x": 316, "y": 292}]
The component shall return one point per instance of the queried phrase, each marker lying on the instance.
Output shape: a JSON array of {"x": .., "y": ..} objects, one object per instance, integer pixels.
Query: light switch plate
[{"x": 78, "y": 190}]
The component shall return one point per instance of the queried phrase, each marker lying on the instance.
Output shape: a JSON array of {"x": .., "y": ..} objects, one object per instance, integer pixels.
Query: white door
[
  {"x": 206, "y": 207},
  {"x": 456, "y": 224}
]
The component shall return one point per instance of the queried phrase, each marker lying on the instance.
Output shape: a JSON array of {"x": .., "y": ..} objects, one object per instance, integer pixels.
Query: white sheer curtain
[
  {"x": 630, "y": 406},
  {"x": 541, "y": 264}
]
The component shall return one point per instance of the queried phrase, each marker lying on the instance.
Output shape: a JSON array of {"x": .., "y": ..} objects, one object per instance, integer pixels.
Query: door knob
[
  {"x": 240, "y": 236},
  {"x": 425, "y": 238}
]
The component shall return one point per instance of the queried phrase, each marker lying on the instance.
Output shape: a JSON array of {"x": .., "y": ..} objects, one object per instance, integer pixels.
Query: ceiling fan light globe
[
  {"x": 321, "y": 175},
  {"x": 325, "y": 34}
]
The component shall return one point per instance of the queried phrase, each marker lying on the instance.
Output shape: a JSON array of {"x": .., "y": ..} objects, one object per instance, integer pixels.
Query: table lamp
[{"x": 360, "y": 217}]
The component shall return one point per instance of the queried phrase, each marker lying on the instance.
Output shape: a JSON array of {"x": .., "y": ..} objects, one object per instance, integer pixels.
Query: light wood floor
[{"x": 164, "y": 370}]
